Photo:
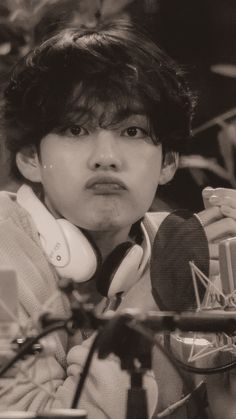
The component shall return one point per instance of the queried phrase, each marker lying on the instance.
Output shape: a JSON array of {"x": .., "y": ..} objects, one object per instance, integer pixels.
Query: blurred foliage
[
  {"x": 225, "y": 167},
  {"x": 24, "y": 23},
  {"x": 19, "y": 18}
]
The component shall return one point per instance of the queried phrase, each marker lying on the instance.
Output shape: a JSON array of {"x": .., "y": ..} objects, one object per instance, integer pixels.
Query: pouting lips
[{"x": 105, "y": 183}]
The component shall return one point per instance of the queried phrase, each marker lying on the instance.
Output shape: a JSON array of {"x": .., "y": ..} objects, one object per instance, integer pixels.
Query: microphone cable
[
  {"x": 85, "y": 372},
  {"x": 27, "y": 346}
]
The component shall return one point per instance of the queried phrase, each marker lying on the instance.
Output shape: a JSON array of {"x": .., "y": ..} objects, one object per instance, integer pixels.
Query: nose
[{"x": 105, "y": 154}]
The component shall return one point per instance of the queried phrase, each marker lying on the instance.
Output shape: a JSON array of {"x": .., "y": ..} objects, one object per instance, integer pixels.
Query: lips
[{"x": 105, "y": 185}]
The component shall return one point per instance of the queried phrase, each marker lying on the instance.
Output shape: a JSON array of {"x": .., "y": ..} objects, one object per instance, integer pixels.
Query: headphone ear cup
[
  {"x": 66, "y": 246},
  {"x": 121, "y": 270},
  {"x": 109, "y": 267},
  {"x": 84, "y": 258}
]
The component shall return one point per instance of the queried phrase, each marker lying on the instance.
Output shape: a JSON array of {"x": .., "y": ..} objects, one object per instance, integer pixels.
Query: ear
[
  {"x": 28, "y": 163},
  {"x": 169, "y": 167}
]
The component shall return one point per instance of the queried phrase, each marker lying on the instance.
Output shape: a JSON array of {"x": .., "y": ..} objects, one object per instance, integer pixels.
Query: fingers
[
  {"x": 218, "y": 220},
  {"x": 224, "y": 198},
  {"x": 209, "y": 215},
  {"x": 224, "y": 228},
  {"x": 208, "y": 192},
  {"x": 228, "y": 210},
  {"x": 226, "y": 204}
]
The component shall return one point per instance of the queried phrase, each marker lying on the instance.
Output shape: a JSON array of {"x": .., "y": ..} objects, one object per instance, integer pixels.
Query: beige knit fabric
[{"x": 46, "y": 381}]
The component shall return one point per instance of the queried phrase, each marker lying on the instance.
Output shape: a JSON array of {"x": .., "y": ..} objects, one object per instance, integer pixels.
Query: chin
[
  {"x": 106, "y": 223},
  {"x": 105, "y": 226},
  {"x": 106, "y": 220}
]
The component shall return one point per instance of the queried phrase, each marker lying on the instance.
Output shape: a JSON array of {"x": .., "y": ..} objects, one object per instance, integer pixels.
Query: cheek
[
  {"x": 54, "y": 178},
  {"x": 58, "y": 158},
  {"x": 148, "y": 179},
  {"x": 58, "y": 166},
  {"x": 150, "y": 168},
  {"x": 60, "y": 183}
]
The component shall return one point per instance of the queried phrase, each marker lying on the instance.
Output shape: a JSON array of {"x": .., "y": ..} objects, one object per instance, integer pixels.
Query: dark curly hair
[{"x": 114, "y": 65}]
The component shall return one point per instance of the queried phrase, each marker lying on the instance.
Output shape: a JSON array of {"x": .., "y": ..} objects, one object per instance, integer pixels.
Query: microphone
[
  {"x": 179, "y": 246},
  {"x": 180, "y": 255},
  {"x": 203, "y": 322}
]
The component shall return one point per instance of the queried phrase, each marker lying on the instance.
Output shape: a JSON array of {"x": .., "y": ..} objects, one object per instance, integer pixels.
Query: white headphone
[{"x": 74, "y": 257}]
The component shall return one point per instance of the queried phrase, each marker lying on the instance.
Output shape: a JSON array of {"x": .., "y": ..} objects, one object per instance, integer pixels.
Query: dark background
[{"x": 198, "y": 34}]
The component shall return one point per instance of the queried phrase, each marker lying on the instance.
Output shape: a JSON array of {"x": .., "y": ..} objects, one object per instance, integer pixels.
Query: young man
[{"x": 94, "y": 121}]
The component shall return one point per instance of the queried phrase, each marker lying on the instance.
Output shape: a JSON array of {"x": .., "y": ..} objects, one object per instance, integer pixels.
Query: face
[{"x": 101, "y": 179}]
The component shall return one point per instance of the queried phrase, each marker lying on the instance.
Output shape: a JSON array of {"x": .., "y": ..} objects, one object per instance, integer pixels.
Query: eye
[
  {"x": 135, "y": 132},
  {"x": 76, "y": 131}
]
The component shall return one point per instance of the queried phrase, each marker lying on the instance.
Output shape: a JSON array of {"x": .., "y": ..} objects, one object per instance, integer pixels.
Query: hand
[
  {"x": 223, "y": 198},
  {"x": 218, "y": 220}
]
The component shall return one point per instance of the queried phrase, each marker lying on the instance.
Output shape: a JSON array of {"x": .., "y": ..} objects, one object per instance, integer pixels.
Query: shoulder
[
  {"x": 152, "y": 222},
  {"x": 11, "y": 213},
  {"x": 156, "y": 218},
  {"x": 7, "y": 204}
]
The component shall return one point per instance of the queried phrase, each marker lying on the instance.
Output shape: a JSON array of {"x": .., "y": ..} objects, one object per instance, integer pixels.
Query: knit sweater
[{"x": 46, "y": 381}]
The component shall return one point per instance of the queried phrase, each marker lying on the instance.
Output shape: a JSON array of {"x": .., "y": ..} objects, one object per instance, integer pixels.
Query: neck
[{"x": 108, "y": 240}]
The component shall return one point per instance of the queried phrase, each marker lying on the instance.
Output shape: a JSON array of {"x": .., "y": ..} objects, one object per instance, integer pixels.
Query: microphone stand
[
  {"x": 134, "y": 351},
  {"x": 137, "y": 407}
]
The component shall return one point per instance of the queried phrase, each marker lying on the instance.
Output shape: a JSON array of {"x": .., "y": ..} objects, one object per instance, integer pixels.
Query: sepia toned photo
[{"x": 117, "y": 209}]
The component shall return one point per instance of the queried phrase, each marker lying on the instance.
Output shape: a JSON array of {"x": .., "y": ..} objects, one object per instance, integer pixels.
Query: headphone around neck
[{"x": 74, "y": 256}]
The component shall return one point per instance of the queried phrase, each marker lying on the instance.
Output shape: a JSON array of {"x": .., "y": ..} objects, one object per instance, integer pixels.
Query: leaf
[
  {"x": 200, "y": 162},
  {"x": 5, "y": 48},
  {"x": 225, "y": 137}
]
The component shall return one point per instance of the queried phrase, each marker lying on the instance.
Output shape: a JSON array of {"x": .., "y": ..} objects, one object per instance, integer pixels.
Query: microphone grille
[{"x": 180, "y": 239}]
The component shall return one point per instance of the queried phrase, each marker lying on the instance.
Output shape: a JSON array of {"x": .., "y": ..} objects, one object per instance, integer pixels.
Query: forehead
[{"x": 104, "y": 105}]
